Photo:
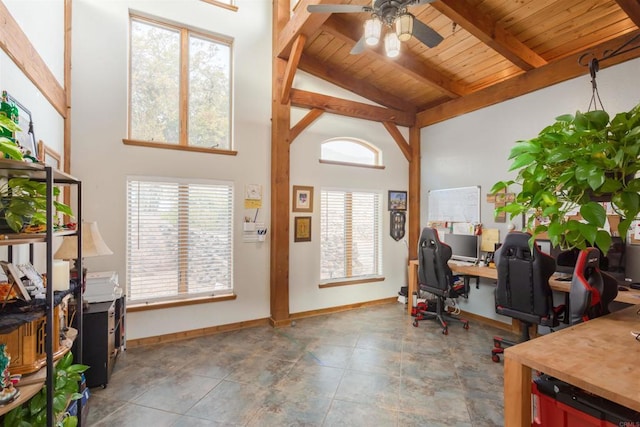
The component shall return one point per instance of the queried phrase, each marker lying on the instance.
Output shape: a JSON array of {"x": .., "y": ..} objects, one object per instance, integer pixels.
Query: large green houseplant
[{"x": 575, "y": 164}]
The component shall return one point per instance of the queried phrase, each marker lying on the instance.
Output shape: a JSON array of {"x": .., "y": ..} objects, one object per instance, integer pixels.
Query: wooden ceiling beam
[
  {"x": 357, "y": 86},
  {"x": 343, "y": 107},
  {"x": 399, "y": 139},
  {"x": 18, "y": 47},
  {"x": 302, "y": 22},
  {"x": 304, "y": 122},
  {"x": 490, "y": 32},
  {"x": 550, "y": 74},
  {"x": 406, "y": 64},
  {"x": 292, "y": 66},
  {"x": 632, "y": 9}
]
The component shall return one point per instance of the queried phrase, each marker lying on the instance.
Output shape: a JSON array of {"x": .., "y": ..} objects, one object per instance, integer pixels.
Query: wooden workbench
[{"x": 599, "y": 356}]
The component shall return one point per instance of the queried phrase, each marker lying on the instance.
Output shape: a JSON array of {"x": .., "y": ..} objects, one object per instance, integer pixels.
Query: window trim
[
  {"x": 377, "y": 152},
  {"x": 181, "y": 299},
  {"x": 355, "y": 281},
  {"x": 170, "y": 146},
  {"x": 232, "y": 7},
  {"x": 185, "y": 32}
]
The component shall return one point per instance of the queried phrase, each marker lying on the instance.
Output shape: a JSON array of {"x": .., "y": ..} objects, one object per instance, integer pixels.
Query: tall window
[
  {"x": 179, "y": 238},
  {"x": 180, "y": 86},
  {"x": 350, "y": 235}
]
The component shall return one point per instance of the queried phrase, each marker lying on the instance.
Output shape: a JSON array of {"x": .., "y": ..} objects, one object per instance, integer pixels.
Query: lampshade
[
  {"x": 92, "y": 244},
  {"x": 372, "y": 31},
  {"x": 404, "y": 27},
  {"x": 392, "y": 44}
]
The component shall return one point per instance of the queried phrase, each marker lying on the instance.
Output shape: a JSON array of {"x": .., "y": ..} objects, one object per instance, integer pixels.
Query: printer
[{"x": 102, "y": 286}]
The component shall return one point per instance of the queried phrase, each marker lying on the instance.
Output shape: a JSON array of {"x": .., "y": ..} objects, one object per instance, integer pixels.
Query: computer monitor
[{"x": 463, "y": 247}]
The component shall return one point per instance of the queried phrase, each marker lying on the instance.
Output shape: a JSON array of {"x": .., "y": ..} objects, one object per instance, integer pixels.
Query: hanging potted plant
[{"x": 573, "y": 165}]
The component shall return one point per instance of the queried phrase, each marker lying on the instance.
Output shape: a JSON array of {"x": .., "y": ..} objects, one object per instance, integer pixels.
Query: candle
[{"x": 60, "y": 275}]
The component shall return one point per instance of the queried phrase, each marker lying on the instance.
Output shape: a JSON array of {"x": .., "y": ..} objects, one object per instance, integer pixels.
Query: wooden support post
[{"x": 414, "y": 192}]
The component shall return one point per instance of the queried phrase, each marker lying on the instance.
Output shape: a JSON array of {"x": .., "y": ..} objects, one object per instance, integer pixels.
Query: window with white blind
[
  {"x": 179, "y": 238},
  {"x": 350, "y": 235}
]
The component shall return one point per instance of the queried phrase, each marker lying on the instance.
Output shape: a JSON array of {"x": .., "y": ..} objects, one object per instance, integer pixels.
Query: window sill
[
  {"x": 357, "y": 165},
  {"x": 351, "y": 282},
  {"x": 134, "y": 307},
  {"x": 168, "y": 146}
]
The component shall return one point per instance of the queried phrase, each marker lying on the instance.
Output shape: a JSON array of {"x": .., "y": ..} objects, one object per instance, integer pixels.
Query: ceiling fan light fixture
[
  {"x": 404, "y": 27},
  {"x": 392, "y": 44},
  {"x": 372, "y": 31}
]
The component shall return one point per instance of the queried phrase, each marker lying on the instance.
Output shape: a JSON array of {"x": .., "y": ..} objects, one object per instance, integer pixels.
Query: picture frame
[
  {"x": 25, "y": 138},
  {"x": 302, "y": 229},
  {"x": 15, "y": 279},
  {"x": 397, "y": 200},
  {"x": 49, "y": 156},
  {"x": 302, "y": 198}
]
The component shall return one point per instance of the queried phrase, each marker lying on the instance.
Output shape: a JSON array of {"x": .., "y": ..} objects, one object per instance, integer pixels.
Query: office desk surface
[
  {"x": 631, "y": 296},
  {"x": 599, "y": 356}
]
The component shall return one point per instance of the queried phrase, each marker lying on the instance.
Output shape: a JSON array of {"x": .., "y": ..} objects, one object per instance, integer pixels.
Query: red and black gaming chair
[
  {"x": 591, "y": 289},
  {"x": 523, "y": 290},
  {"x": 435, "y": 277}
]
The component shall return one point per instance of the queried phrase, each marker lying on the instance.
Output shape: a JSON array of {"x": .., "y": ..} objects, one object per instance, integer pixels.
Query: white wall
[
  {"x": 102, "y": 161},
  {"x": 43, "y": 23},
  {"x": 473, "y": 149}
]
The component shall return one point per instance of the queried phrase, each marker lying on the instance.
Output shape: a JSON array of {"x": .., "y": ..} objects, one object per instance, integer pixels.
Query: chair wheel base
[{"x": 495, "y": 358}]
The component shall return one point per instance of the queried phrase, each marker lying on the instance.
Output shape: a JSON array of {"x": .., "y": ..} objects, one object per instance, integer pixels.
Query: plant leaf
[
  {"x": 594, "y": 213},
  {"x": 603, "y": 241}
]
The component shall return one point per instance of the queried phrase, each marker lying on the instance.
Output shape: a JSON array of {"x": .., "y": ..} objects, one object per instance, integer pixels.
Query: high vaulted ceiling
[{"x": 492, "y": 50}]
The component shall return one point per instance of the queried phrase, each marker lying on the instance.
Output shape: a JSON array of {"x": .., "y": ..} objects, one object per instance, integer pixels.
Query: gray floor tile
[{"x": 355, "y": 368}]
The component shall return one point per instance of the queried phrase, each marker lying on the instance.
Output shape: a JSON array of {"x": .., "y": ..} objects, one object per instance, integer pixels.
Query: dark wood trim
[
  {"x": 17, "y": 46},
  {"x": 632, "y": 9},
  {"x": 414, "y": 192},
  {"x": 550, "y": 74},
  {"x": 338, "y": 309},
  {"x": 304, "y": 122},
  {"x": 351, "y": 282},
  {"x": 168, "y": 146},
  {"x": 399, "y": 139},
  {"x": 343, "y": 107},
  {"x": 133, "y": 307},
  {"x": 292, "y": 67}
]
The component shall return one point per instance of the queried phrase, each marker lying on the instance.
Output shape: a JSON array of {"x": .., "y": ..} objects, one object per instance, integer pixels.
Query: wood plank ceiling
[{"x": 492, "y": 50}]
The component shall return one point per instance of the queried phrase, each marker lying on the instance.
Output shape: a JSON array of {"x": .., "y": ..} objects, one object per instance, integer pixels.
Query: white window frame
[
  {"x": 375, "y": 151},
  {"x": 183, "y": 256},
  {"x": 349, "y": 276}
]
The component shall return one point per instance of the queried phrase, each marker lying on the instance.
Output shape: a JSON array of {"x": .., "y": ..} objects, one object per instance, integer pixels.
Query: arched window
[{"x": 350, "y": 151}]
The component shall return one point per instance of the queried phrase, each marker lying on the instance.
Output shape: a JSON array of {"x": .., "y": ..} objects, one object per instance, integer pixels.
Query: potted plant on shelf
[
  {"x": 574, "y": 165},
  {"x": 8, "y": 147},
  {"x": 23, "y": 202}
]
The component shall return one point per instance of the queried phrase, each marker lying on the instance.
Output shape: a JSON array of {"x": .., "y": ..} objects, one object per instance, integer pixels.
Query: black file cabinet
[{"x": 102, "y": 339}]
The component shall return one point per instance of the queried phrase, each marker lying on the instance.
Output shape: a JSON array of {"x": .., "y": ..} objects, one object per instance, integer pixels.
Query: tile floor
[{"x": 366, "y": 367}]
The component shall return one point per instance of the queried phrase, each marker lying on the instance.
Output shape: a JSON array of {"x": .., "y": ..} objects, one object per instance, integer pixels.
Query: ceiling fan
[{"x": 389, "y": 13}]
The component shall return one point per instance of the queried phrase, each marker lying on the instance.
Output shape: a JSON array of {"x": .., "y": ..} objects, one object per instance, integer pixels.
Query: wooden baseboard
[
  {"x": 195, "y": 333},
  {"x": 487, "y": 321}
]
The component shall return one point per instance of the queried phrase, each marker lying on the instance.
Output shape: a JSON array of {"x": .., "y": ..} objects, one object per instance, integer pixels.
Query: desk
[
  {"x": 631, "y": 296},
  {"x": 599, "y": 356}
]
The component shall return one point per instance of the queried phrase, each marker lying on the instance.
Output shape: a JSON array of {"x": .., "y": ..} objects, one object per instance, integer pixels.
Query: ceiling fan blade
[
  {"x": 335, "y": 8},
  {"x": 359, "y": 47},
  {"x": 425, "y": 34}
]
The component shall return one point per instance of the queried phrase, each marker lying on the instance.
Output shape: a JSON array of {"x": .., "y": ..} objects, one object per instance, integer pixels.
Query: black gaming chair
[
  {"x": 435, "y": 277},
  {"x": 591, "y": 289},
  {"x": 523, "y": 290}
]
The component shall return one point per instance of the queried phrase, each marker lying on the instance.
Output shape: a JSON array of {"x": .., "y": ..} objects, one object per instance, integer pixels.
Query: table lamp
[{"x": 92, "y": 245}]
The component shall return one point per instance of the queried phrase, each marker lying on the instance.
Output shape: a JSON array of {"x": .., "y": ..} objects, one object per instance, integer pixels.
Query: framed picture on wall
[
  {"x": 302, "y": 199},
  {"x": 302, "y": 228},
  {"x": 397, "y": 200}
]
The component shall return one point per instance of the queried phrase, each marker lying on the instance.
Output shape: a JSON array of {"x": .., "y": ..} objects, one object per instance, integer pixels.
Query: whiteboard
[{"x": 455, "y": 205}]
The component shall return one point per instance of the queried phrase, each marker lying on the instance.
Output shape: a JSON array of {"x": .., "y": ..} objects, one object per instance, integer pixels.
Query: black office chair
[
  {"x": 591, "y": 289},
  {"x": 523, "y": 290},
  {"x": 435, "y": 277}
]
